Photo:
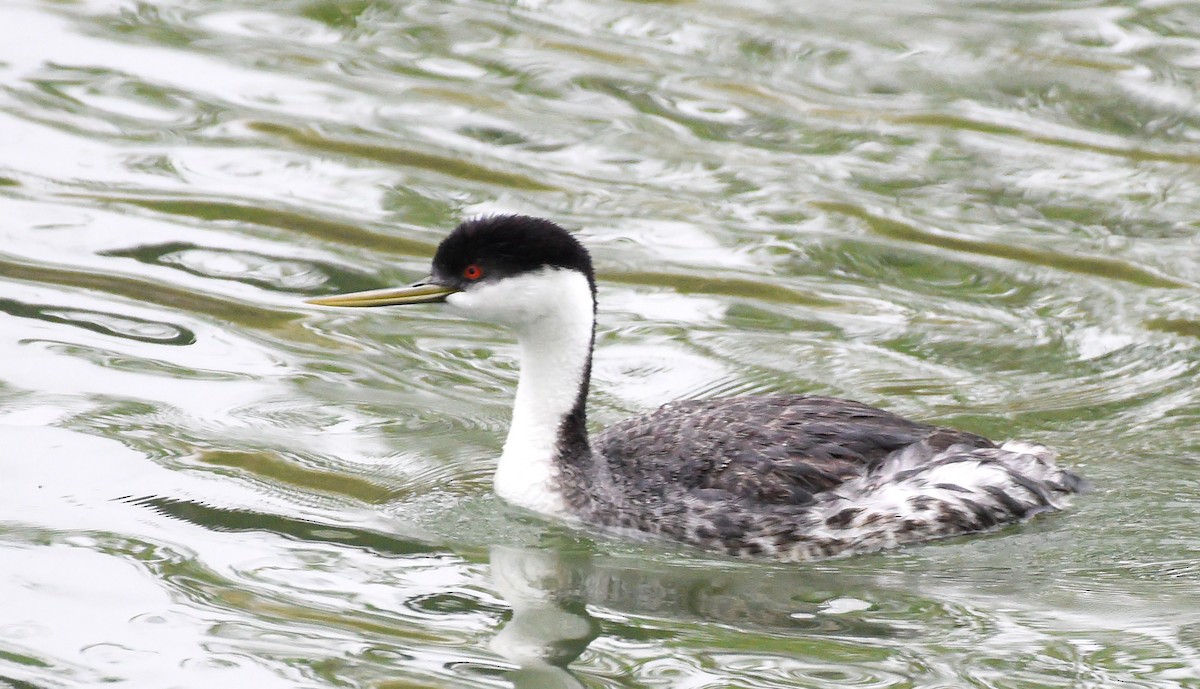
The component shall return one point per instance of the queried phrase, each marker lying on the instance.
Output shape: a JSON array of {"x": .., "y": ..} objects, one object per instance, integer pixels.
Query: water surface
[{"x": 976, "y": 213}]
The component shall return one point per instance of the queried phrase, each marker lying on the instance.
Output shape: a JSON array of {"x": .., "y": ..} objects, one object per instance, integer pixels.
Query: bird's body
[
  {"x": 785, "y": 476},
  {"x": 802, "y": 477}
]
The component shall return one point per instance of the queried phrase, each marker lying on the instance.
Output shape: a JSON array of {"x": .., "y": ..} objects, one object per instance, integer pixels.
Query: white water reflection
[{"x": 561, "y": 603}]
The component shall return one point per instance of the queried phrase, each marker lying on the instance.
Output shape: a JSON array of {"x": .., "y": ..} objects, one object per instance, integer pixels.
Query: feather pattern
[{"x": 802, "y": 477}]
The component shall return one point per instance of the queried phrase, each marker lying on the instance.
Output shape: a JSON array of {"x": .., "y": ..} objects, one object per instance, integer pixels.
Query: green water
[{"x": 984, "y": 214}]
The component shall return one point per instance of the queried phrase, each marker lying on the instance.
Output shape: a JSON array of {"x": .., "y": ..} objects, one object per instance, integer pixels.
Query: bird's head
[{"x": 509, "y": 269}]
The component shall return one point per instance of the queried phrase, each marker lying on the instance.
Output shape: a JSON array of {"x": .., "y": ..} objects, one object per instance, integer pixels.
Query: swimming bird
[{"x": 784, "y": 476}]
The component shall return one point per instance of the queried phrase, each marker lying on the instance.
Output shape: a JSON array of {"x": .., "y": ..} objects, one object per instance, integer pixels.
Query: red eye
[{"x": 472, "y": 272}]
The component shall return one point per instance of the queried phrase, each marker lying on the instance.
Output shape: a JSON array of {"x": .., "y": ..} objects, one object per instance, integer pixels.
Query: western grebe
[{"x": 792, "y": 477}]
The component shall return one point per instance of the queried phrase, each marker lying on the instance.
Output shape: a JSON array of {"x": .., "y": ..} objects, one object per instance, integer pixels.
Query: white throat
[{"x": 552, "y": 313}]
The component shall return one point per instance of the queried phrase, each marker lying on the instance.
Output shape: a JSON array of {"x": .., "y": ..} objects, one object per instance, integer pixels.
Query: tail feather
[{"x": 922, "y": 492}]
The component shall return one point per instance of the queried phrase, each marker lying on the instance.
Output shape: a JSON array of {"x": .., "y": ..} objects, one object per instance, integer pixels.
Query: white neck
[{"x": 552, "y": 312}]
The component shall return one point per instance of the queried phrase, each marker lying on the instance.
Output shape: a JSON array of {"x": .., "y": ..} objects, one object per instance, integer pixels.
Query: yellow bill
[{"x": 422, "y": 292}]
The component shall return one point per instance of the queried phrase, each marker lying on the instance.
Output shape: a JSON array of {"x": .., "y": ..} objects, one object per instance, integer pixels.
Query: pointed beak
[{"x": 421, "y": 292}]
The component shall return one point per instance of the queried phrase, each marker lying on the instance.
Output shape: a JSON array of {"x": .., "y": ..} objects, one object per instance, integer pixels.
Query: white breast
[{"x": 552, "y": 312}]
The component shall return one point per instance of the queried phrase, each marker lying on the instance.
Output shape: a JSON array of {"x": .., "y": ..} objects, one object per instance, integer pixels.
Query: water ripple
[
  {"x": 982, "y": 214},
  {"x": 141, "y": 330}
]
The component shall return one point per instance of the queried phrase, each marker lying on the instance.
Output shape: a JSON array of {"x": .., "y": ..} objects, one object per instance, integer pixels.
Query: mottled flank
[{"x": 797, "y": 478}]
